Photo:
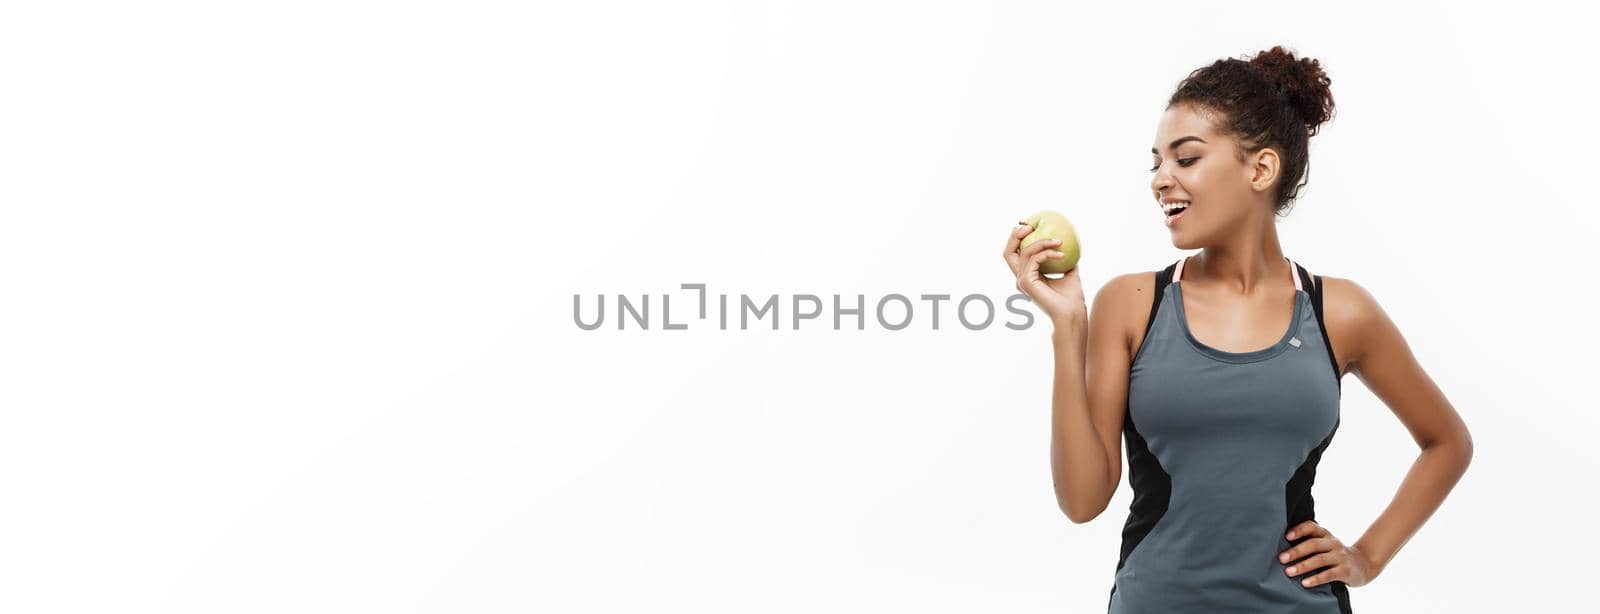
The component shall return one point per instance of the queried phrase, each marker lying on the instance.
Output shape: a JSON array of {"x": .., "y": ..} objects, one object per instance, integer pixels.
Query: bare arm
[
  {"x": 1090, "y": 396},
  {"x": 1090, "y": 388},
  {"x": 1078, "y": 465},
  {"x": 1384, "y": 363}
]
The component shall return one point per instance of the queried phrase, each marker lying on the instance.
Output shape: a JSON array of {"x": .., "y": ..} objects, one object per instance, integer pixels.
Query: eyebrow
[{"x": 1179, "y": 141}]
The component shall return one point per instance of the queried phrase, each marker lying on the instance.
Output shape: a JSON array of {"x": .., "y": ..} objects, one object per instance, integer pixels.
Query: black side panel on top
[
  {"x": 1152, "y": 485},
  {"x": 1297, "y": 493},
  {"x": 1152, "y": 490}
]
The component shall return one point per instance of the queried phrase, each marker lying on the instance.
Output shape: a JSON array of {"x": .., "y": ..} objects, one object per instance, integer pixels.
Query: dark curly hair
[{"x": 1271, "y": 100}]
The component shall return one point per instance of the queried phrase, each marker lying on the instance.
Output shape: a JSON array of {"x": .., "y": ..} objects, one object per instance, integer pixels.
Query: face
[{"x": 1192, "y": 162}]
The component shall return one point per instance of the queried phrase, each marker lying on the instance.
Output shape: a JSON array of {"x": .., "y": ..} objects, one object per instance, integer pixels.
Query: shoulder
[
  {"x": 1127, "y": 290},
  {"x": 1347, "y": 300},
  {"x": 1123, "y": 302},
  {"x": 1351, "y": 313}
]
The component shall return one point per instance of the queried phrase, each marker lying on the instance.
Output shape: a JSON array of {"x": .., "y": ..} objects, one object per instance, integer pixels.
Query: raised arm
[
  {"x": 1090, "y": 400},
  {"x": 1090, "y": 387}
]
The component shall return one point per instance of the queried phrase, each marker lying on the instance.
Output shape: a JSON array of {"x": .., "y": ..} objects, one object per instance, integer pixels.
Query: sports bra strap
[{"x": 1163, "y": 277}]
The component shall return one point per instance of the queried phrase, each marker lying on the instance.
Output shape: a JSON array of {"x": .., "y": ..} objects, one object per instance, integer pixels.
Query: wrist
[
  {"x": 1069, "y": 323},
  {"x": 1374, "y": 563},
  {"x": 1069, "y": 333}
]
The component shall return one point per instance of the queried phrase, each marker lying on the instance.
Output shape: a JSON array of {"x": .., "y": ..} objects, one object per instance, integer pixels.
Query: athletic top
[{"x": 1222, "y": 450}]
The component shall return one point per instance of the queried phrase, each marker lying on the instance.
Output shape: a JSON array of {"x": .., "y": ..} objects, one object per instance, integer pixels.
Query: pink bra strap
[{"x": 1294, "y": 271}]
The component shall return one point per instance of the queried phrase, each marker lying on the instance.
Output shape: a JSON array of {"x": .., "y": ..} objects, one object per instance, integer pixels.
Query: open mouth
[{"x": 1175, "y": 211}]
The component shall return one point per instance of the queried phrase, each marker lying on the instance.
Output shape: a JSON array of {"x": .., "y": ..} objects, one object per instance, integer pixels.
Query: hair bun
[{"x": 1302, "y": 82}]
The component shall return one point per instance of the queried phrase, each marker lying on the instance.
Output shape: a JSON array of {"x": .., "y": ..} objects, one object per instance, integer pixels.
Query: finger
[
  {"x": 1309, "y": 527},
  {"x": 1015, "y": 238},
  {"x": 1038, "y": 259},
  {"x": 1331, "y": 574},
  {"x": 1326, "y": 559},
  {"x": 1306, "y": 548},
  {"x": 1030, "y": 272},
  {"x": 1013, "y": 259},
  {"x": 1032, "y": 275},
  {"x": 1038, "y": 247}
]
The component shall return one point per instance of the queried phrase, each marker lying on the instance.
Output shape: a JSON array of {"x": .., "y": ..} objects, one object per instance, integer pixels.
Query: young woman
[{"x": 1223, "y": 371}]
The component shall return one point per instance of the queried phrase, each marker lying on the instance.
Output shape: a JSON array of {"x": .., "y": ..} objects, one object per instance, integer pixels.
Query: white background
[{"x": 288, "y": 288}]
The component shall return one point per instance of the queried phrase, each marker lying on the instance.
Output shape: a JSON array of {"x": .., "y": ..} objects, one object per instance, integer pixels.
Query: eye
[{"x": 1181, "y": 162}]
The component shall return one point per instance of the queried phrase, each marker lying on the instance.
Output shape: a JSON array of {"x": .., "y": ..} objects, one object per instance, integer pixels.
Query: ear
[{"x": 1264, "y": 166}]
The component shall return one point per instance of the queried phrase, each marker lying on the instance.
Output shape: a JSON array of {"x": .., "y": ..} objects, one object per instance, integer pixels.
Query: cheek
[
  {"x": 1212, "y": 178},
  {"x": 1196, "y": 180}
]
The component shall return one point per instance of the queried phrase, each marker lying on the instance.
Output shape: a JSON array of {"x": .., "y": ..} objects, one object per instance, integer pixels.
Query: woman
[{"x": 1226, "y": 407}]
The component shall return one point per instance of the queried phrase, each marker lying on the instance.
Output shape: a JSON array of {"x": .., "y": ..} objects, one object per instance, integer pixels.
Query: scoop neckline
[{"x": 1238, "y": 357}]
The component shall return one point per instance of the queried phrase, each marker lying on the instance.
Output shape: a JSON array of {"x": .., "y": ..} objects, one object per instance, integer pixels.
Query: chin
[{"x": 1189, "y": 238}]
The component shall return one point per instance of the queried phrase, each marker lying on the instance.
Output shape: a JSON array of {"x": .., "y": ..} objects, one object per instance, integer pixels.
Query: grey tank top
[{"x": 1222, "y": 450}]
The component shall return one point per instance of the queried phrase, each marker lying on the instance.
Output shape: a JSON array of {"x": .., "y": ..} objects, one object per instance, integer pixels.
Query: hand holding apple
[
  {"x": 1051, "y": 225},
  {"x": 1061, "y": 298}
]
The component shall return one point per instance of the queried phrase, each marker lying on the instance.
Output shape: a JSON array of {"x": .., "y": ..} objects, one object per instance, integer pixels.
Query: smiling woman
[
  {"x": 1223, "y": 442},
  {"x": 1226, "y": 408},
  {"x": 1272, "y": 100}
]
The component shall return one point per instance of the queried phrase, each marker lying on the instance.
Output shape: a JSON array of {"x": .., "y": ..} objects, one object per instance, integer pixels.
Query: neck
[{"x": 1244, "y": 266}]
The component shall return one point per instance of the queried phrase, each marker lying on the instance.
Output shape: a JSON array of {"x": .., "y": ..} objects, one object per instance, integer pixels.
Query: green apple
[{"x": 1052, "y": 225}]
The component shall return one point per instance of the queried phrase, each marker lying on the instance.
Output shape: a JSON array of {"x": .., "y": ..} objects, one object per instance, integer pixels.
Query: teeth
[{"x": 1170, "y": 207}]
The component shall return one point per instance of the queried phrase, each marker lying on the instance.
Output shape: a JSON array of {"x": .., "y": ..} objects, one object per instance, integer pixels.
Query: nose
[{"x": 1160, "y": 182}]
